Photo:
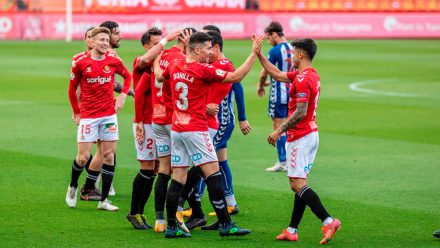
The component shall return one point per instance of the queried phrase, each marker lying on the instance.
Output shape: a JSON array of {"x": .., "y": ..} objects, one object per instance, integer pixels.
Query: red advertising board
[{"x": 233, "y": 26}]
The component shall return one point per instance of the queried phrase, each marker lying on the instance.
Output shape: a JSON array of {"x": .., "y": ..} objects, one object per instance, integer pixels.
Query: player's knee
[
  {"x": 82, "y": 158},
  {"x": 108, "y": 157}
]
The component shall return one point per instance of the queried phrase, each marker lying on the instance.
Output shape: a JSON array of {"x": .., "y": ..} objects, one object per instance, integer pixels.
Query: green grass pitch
[{"x": 377, "y": 167}]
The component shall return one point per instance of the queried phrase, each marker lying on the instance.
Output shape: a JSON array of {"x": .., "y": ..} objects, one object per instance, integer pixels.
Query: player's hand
[
  {"x": 273, "y": 138},
  {"x": 256, "y": 43},
  {"x": 76, "y": 118},
  {"x": 260, "y": 90},
  {"x": 131, "y": 92},
  {"x": 173, "y": 35},
  {"x": 212, "y": 109},
  {"x": 120, "y": 101},
  {"x": 245, "y": 127},
  {"x": 184, "y": 37},
  {"x": 140, "y": 131}
]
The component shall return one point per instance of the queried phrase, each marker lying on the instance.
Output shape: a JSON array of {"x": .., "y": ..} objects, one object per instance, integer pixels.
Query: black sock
[
  {"x": 297, "y": 213},
  {"x": 76, "y": 172},
  {"x": 92, "y": 176},
  {"x": 195, "y": 204},
  {"x": 192, "y": 179},
  {"x": 172, "y": 200},
  {"x": 148, "y": 186},
  {"x": 217, "y": 197},
  {"x": 160, "y": 194},
  {"x": 88, "y": 163},
  {"x": 309, "y": 197},
  {"x": 107, "y": 173},
  {"x": 136, "y": 192}
]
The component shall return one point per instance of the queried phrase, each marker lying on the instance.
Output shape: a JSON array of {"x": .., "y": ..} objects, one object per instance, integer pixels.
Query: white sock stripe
[
  {"x": 77, "y": 168},
  {"x": 107, "y": 172},
  {"x": 218, "y": 202},
  {"x": 216, "y": 174},
  {"x": 92, "y": 177},
  {"x": 220, "y": 206},
  {"x": 303, "y": 189},
  {"x": 144, "y": 176}
]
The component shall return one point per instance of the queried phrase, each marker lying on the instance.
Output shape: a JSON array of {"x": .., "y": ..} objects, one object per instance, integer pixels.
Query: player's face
[
  {"x": 205, "y": 52},
  {"x": 215, "y": 53},
  {"x": 89, "y": 40},
  {"x": 101, "y": 42},
  {"x": 271, "y": 39},
  {"x": 115, "y": 38},
  {"x": 298, "y": 54},
  {"x": 153, "y": 41}
]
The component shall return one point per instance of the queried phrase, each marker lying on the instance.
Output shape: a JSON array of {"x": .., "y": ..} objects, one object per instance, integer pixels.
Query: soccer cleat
[
  {"x": 232, "y": 230},
  {"x": 329, "y": 230},
  {"x": 277, "y": 167},
  {"x": 71, "y": 196},
  {"x": 194, "y": 222},
  {"x": 136, "y": 221},
  {"x": 181, "y": 222},
  {"x": 213, "y": 227},
  {"x": 176, "y": 233},
  {"x": 231, "y": 210},
  {"x": 107, "y": 205},
  {"x": 286, "y": 235},
  {"x": 436, "y": 234},
  {"x": 187, "y": 212},
  {"x": 93, "y": 195},
  {"x": 160, "y": 226},
  {"x": 112, "y": 191},
  {"x": 144, "y": 220}
]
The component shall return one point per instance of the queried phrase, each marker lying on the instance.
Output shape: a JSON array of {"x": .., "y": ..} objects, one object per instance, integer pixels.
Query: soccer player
[
  {"x": 437, "y": 234},
  {"x": 302, "y": 136},
  {"x": 280, "y": 55},
  {"x": 96, "y": 117},
  {"x": 162, "y": 118},
  {"x": 143, "y": 131},
  {"x": 190, "y": 138}
]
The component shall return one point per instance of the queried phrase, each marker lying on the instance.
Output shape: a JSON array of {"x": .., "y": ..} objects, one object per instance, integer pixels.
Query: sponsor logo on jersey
[
  {"x": 307, "y": 168},
  {"x": 301, "y": 95},
  {"x": 163, "y": 148},
  {"x": 107, "y": 69},
  {"x": 99, "y": 79},
  {"x": 220, "y": 73},
  {"x": 159, "y": 111},
  {"x": 111, "y": 128},
  {"x": 175, "y": 158},
  {"x": 196, "y": 157},
  {"x": 182, "y": 118}
]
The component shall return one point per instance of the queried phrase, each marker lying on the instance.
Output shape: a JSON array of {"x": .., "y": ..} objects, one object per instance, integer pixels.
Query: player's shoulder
[
  {"x": 224, "y": 64},
  {"x": 79, "y": 55},
  {"x": 80, "y": 59},
  {"x": 112, "y": 57},
  {"x": 308, "y": 76}
]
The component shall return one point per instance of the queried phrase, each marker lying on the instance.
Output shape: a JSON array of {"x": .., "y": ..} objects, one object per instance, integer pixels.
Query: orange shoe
[
  {"x": 286, "y": 235},
  {"x": 231, "y": 211},
  {"x": 187, "y": 212},
  {"x": 329, "y": 230}
]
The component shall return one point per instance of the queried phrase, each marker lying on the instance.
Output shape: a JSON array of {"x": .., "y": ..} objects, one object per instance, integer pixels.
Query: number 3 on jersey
[{"x": 182, "y": 102}]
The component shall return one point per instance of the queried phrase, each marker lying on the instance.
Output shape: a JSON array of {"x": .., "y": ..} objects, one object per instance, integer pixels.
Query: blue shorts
[
  {"x": 222, "y": 136},
  {"x": 278, "y": 110}
]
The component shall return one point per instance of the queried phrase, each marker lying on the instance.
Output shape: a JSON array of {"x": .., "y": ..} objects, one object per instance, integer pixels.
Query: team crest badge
[{"x": 107, "y": 69}]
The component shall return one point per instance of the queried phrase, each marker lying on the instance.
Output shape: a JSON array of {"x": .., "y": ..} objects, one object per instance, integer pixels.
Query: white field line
[{"x": 356, "y": 86}]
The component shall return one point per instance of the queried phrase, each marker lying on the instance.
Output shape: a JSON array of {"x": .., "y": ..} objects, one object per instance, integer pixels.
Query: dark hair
[
  {"x": 89, "y": 29},
  {"x": 198, "y": 38},
  {"x": 188, "y": 30},
  {"x": 307, "y": 45},
  {"x": 212, "y": 28},
  {"x": 274, "y": 27},
  {"x": 216, "y": 39},
  {"x": 110, "y": 25},
  {"x": 154, "y": 31}
]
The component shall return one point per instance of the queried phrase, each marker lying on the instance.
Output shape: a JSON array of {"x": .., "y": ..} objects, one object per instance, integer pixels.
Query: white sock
[
  {"x": 230, "y": 200},
  {"x": 179, "y": 209},
  {"x": 291, "y": 230},
  {"x": 161, "y": 221},
  {"x": 327, "y": 221}
]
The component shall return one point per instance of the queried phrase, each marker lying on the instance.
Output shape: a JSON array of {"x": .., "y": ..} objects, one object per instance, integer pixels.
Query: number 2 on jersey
[{"x": 182, "y": 102}]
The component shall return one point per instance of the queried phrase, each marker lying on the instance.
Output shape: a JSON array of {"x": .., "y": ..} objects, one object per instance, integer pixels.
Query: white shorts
[
  {"x": 94, "y": 129},
  {"x": 212, "y": 133},
  {"x": 300, "y": 155},
  {"x": 190, "y": 147},
  {"x": 162, "y": 134},
  {"x": 147, "y": 150}
]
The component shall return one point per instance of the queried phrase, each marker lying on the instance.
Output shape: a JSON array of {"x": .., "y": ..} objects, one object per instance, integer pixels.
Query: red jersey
[
  {"x": 305, "y": 87},
  {"x": 190, "y": 87},
  {"x": 96, "y": 78},
  {"x": 161, "y": 91},
  {"x": 142, "y": 99},
  {"x": 79, "y": 55},
  {"x": 218, "y": 91}
]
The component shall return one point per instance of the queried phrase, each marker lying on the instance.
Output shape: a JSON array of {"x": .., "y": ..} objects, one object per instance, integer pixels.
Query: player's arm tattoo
[{"x": 297, "y": 116}]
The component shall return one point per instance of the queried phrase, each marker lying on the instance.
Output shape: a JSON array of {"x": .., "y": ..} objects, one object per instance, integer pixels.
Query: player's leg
[
  {"x": 143, "y": 181},
  {"x": 162, "y": 135},
  {"x": 180, "y": 163},
  {"x": 90, "y": 191},
  {"x": 87, "y": 134}
]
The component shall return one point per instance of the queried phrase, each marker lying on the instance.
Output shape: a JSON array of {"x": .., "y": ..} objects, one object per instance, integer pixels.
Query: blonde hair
[{"x": 99, "y": 30}]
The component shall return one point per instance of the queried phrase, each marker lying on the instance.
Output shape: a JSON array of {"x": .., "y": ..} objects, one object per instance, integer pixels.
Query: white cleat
[
  {"x": 277, "y": 167},
  {"x": 107, "y": 205},
  {"x": 112, "y": 191},
  {"x": 71, "y": 196}
]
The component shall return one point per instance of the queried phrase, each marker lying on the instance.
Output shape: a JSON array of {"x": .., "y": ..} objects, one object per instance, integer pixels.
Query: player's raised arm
[
  {"x": 273, "y": 71},
  {"x": 243, "y": 70},
  {"x": 157, "y": 49},
  {"x": 157, "y": 70}
]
